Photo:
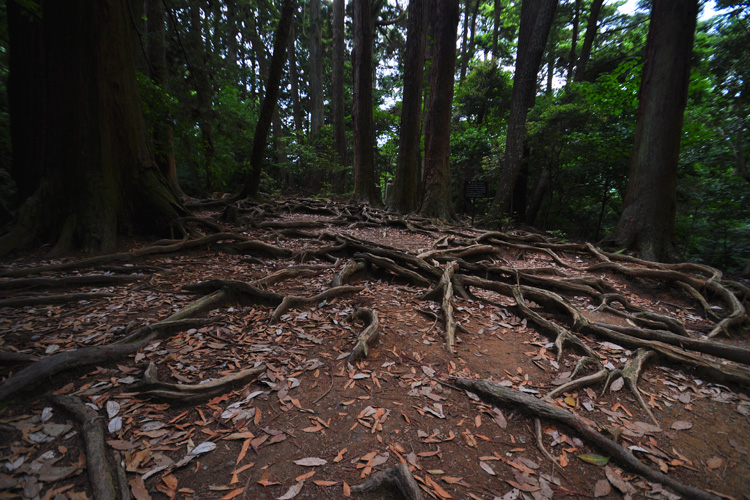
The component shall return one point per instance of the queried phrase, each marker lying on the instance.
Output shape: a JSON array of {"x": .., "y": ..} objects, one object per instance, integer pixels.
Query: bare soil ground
[{"x": 314, "y": 422}]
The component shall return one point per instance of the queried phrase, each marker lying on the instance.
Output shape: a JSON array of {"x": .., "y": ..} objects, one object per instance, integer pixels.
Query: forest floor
[{"x": 296, "y": 411}]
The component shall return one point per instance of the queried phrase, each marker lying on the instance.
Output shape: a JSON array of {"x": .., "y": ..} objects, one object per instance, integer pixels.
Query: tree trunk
[
  {"x": 436, "y": 201},
  {"x": 498, "y": 7},
  {"x": 203, "y": 91},
  {"x": 472, "y": 33},
  {"x": 163, "y": 135},
  {"x": 294, "y": 83},
  {"x": 588, "y": 40},
  {"x": 26, "y": 103},
  {"x": 647, "y": 220},
  {"x": 536, "y": 20},
  {"x": 365, "y": 190},
  {"x": 465, "y": 40},
  {"x": 260, "y": 138},
  {"x": 100, "y": 179},
  {"x": 573, "y": 41},
  {"x": 316, "y": 69},
  {"x": 405, "y": 197},
  {"x": 337, "y": 87}
]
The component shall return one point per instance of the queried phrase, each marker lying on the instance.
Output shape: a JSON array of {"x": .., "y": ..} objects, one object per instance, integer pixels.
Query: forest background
[{"x": 216, "y": 55}]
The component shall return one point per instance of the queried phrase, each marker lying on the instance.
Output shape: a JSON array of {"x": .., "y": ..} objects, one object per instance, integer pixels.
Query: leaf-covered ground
[{"x": 314, "y": 422}]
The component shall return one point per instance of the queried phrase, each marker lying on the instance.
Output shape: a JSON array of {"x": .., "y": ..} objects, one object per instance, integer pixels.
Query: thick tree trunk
[
  {"x": 26, "y": 92},
  {"x": 262, "y": 127},
  {"x": 337, "y": 86},
  {"x": 588, "y": 40},
  {"x": 573, "y": 42},
  {"x": 316, "y": 69},
  {"x": 536, "y": 20},
  {"x": 163, "y": 135},
  {"x": 405, "y": 197},
  {"x": 436, "y": 201},
  {"x": 100, "y": 179},
  {"x": 647, "y": 220},
  {"x": 365, "y": 190}
]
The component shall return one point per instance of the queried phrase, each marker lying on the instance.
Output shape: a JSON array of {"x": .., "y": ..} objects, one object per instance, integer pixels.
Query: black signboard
[{"x": 476, "y": 189}]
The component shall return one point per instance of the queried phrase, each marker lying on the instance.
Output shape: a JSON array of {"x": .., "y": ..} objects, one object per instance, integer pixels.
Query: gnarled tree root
[
  {"x": 192, "y": 393},
  {"x": 444, "y": 289},
  {"x": 102, "y": 468},
  {"x": 495, "y": 394},
  {"x": 398, "y": 477},
  {"x": 367, "y": 336},
  {"x": 630, "y": 374}
]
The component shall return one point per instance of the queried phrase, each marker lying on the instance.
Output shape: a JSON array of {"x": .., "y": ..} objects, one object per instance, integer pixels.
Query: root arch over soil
[{"x": 313, "y": 260}]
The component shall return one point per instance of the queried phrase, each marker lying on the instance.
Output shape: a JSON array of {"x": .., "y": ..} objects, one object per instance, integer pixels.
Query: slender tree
[
  {"x": 337, "y": 83},
  {"x": 648, "y": 215},
  {"x": 406, "y": 186},
  {"x": 270, "y": 99},
  {"x": 536, "y": 20},
  {"x": 588, "y": 40},
  {"x": 98, "y": 180},
  {"x": 365, "y": 190},
  {"x": 316, "y": 69},
  {"x": 436, "y": 199},
  {"x": 497, "y": 7}
]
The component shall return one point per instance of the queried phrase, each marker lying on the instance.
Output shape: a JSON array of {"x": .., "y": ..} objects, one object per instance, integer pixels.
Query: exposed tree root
[
  {"x": 102, "y": 467},
  {"x": 187, "y": 393},
  {"x": 348, "y": 271},
  {"x": 444, "y": 289},
  {"x": 53, "y": 299},
  {"x": 289, "y": 272},
  {"x": 386, "y": 263},
  {"x": 630, "y": 374},
  {"x": 124, "y": 256},
  {"x": 291, "y": 302},
  {"x": 69, "y": 281},
  {"x": 367, "y": 336},
  {"x": 495, "y": 394},
  {"x": 398, "y": 478}
]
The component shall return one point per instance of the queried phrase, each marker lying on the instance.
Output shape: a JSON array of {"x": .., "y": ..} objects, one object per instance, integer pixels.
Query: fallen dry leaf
[
  {"x": 715, "y": 462},
  {"x": 602, "y": 488},
  {"x": 232, "y": 494},
  {"x": 311, "y": 461},
  {"x": 292, "y": 492},
  {"x": 321, "y": 482}
]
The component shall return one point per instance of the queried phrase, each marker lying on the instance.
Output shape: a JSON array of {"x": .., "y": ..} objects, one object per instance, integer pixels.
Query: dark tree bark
[
  {"x": 536, "y": 20},
  {"x": 573, "y": 41},
  {"x": 588, "y": 40},
  {"x": 99, "y": 178},
  {"x": 436, "y": 200},
  {"x": 294, "y": 83},
  {"x": 203, "y": 90},
  {"x": 163, "y": 135},
  {"x": 26, "y": 103},
  {"x": 464, "y": 40},
  {"x": 337, "y": 84},
  {"x": 316, "y": 69},
  {"x": 405, "y": 197},
  {"x": 365, "y": 190},
  {"x": 262, "y": 127},
  {"x": 647, "y": 220},
  {"x": 498, "y": 7}
]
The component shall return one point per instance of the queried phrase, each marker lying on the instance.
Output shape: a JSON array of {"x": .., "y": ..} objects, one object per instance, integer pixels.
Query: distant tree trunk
[
  {"x": 262, "y": 127},
  {"x": 573, "y": 41},
  {"x": 405, "y": 196},
  {"x": 536, "y": 20},
  {"x": 231, "y": 37},
  {"x": 436, "y": 199},
  {"x": 27, "y": 98},
  {"x": 472, "y": 33},
  {"x": 294, "y": 83},
  {"x": 99, "y": 178},
  {"x": 337, "y": 86},
  {"x": 316, "y": 69},
  {"x": 648, "y": 216},
  {"x": 203, "y": 91},
  {"x": 550, "y": 73},
  {"x": 588, "y": 40},
  {"x": 465, "y": 40},
  {"x": 498, "y": 7},
  {"x": 163, "y": 135},
  {"x": 365, "y": 190}
]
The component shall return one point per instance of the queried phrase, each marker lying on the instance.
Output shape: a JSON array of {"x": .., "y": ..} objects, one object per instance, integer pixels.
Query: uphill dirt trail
[{"x": 309, "y": 349}]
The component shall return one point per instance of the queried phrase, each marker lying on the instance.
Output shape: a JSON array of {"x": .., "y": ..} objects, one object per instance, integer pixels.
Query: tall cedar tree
[
  {"x": 365, "y": 190},
  {"x": 648, "y": 215},
  {"x": 436, "y": 199},
  {"x": 98, "y": 179},
  {"x": 536, "y": 20},
  {"x": 588, "y": 40},
  {"x": 267, "y": 107},
  {"x": 316, "y": 69},
  {"x": 405, "y": 197},
  {"x": 337, "y": 84}
]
